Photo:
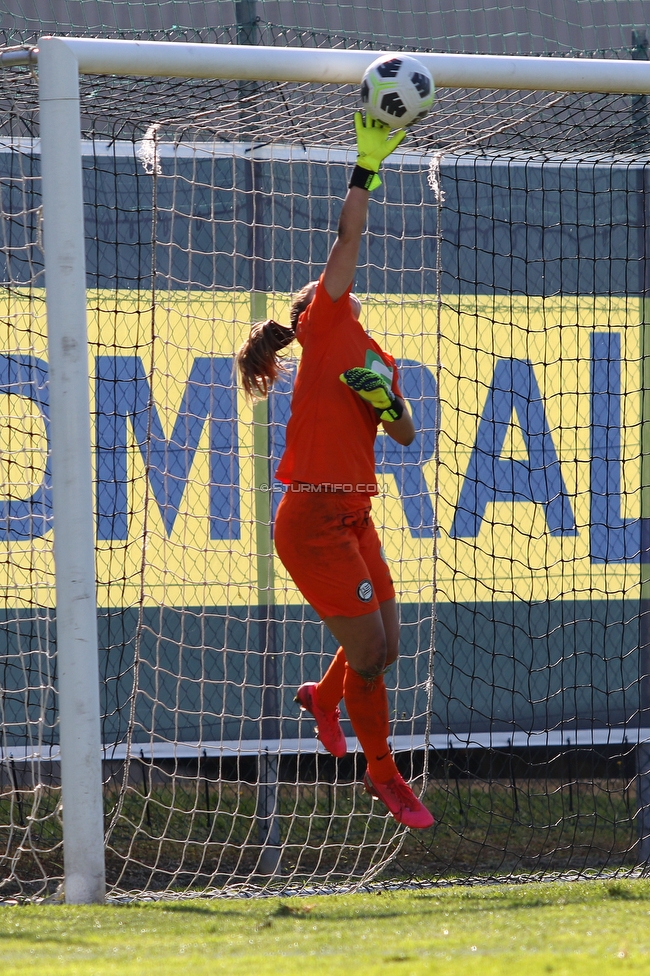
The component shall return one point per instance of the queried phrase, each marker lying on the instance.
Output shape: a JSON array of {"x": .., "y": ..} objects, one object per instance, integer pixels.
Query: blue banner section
[
  {"x": 542, "y": 227},
  {"x": 519, "y": 227},
  {"x": 500, "y": 667}
]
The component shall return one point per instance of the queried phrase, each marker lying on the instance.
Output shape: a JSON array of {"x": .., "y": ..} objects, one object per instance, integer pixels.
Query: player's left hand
[
  {"x": 372, "y": 388},
  {"x": 375, "y": 141}
]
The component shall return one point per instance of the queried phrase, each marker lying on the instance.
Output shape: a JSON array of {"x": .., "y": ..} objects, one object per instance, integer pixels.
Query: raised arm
[
  {"x": 374, "y": 144},
  {"x": 342, "y": 261}
]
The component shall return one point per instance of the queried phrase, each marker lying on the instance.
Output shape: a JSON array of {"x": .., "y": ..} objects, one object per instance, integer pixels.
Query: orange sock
[
  {"x": 367, "y": 705},
  {"x": 330, "y": 687}
]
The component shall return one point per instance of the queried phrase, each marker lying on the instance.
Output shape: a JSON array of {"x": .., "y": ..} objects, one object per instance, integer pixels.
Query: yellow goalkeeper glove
[
  {"x": 374, "y": 144},
  {"x": 372, "y": 388}
]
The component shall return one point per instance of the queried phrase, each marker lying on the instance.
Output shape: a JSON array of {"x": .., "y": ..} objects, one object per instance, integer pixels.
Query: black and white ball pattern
[{"x": 397, "y": 90}]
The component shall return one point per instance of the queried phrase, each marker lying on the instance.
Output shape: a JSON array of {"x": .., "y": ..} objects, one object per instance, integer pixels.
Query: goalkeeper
[{"x": 345, "y": 387}]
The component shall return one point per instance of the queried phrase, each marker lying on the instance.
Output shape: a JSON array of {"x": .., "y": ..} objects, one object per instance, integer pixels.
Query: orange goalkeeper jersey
[{"x": 331, "y": 431}]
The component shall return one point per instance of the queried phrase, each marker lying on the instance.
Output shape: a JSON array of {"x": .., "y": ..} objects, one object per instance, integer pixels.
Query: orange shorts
[{"x": 329, "y": 545}]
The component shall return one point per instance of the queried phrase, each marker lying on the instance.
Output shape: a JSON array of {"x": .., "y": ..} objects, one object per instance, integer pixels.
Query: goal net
[{"x": 505, "y": 269}]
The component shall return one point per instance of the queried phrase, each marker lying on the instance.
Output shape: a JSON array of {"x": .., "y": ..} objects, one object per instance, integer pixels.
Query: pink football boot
[
  {"x": 328, "y": 728},
  {"x": 401, "y": 801}
]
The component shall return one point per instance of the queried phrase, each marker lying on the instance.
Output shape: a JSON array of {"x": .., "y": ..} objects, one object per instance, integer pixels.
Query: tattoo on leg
[{"x": 370, "y": 675}]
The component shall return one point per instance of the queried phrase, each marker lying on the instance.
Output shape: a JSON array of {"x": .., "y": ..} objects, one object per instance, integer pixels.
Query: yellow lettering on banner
[{"x": 514, "y": 555}]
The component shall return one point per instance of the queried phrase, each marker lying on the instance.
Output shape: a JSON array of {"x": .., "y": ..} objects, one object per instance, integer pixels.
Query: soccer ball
[{"x": 397, "y": 90}]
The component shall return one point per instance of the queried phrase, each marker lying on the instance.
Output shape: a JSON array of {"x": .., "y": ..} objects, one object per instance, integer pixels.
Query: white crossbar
[{"x": 165, "y": 59}]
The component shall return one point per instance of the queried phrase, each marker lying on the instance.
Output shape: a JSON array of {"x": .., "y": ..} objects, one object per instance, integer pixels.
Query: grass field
[{"x": 573, "y": 928}]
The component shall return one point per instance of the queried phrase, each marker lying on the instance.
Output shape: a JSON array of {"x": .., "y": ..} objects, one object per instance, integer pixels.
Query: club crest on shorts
[{"x": 364, "y": 590}]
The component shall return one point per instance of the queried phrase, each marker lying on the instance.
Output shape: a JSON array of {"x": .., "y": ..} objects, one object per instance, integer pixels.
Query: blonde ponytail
[{"x": 258, "y": 361}]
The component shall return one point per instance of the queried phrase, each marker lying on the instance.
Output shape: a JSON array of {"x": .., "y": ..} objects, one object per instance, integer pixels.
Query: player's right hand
[
  {"x": 372, "y": 388},
  {"x": 374, "y": 141}
]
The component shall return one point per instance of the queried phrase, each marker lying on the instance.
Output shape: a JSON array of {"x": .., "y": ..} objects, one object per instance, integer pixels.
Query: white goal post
[{"x": 60, "y": 61}]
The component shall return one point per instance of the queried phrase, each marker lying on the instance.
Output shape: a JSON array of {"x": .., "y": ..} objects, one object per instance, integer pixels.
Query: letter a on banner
[{"x": 514, "y": 392}]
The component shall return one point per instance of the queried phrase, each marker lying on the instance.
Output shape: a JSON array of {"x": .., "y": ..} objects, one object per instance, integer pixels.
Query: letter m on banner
[{"x": 123, "y": 396}]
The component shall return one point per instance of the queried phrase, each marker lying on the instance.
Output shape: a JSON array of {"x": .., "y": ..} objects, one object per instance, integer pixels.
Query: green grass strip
[{"x": 593, "y": 928}]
